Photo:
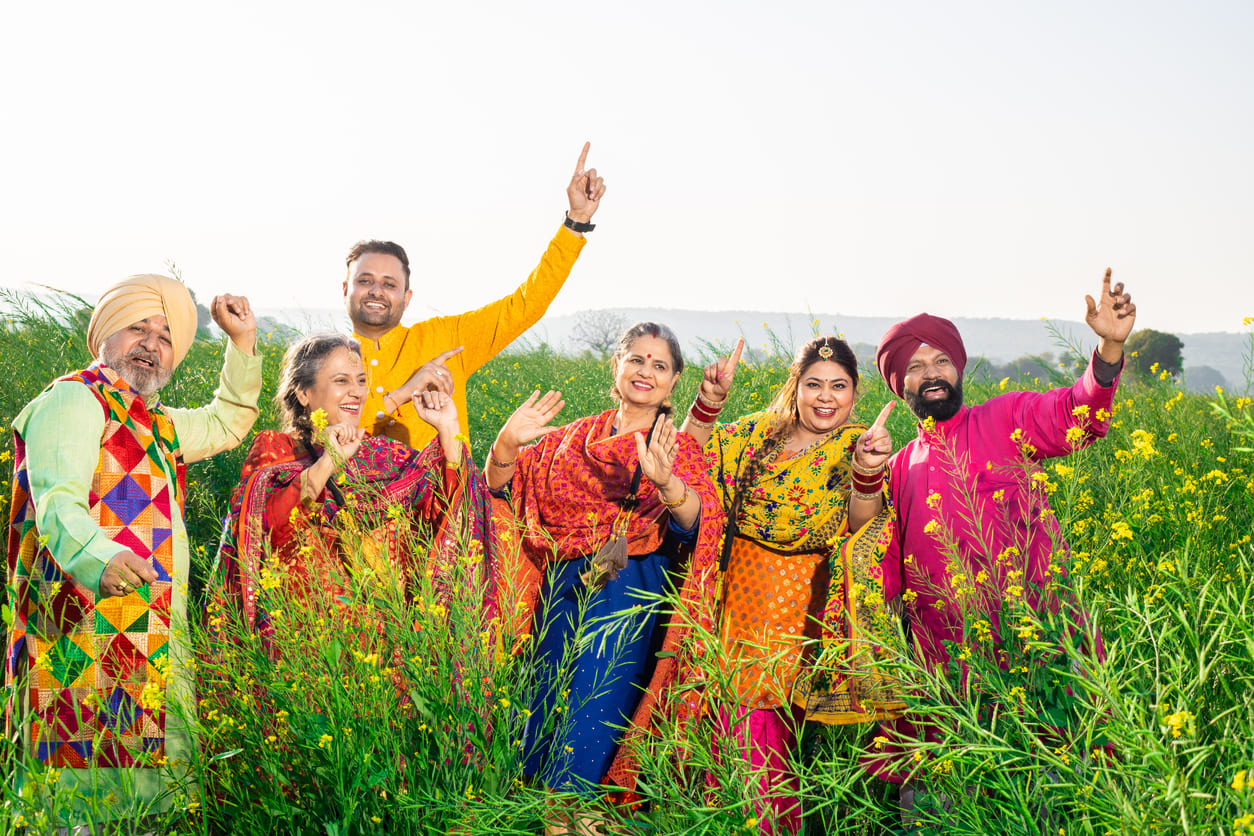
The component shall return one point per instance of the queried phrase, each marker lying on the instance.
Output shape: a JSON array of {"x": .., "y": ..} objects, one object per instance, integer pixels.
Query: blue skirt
[{"x": 570, "y": 748}]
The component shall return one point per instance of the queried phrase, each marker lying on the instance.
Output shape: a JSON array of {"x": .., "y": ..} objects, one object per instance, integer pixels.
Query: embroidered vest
[{"x": 95, "y": 668}]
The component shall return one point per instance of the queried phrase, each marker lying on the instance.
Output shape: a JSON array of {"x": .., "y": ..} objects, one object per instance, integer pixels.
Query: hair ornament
[{"x": 825, "y": 351}]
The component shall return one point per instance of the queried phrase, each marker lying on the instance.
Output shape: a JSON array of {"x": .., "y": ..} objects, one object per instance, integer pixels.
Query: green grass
[{"x": 1150, "y": 739}]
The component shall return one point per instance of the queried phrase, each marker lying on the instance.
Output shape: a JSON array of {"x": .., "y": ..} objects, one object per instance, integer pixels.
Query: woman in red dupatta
[
  {"x": 295, "y": 483},
  {"x": 597, "y": 624}
]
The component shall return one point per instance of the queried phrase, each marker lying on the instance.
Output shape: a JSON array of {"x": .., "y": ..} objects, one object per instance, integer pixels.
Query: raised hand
[
  {"x": 529, "y": 422},
  {"x": 585, "y": 189},
  {"x": 1111, "y": 317},
  {"x": 657, "y": 459},
  {"x": 717, "y": 380},
  {"x": 342, "y": 443},
  {"x": 437, "y": 409},
  {"x": 235, "y": 317},
  {"x": 433, "y": 376},
  {"x": 125, "y": 572},
  {"x": 875, "y": 446}
]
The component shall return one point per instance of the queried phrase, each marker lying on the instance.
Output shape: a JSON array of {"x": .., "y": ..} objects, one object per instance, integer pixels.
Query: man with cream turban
[
  {"x": 975, "y": 455},
  {"x": 98, "y": 555}
]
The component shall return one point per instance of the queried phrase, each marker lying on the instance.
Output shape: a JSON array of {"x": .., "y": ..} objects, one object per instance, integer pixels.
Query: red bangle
[
  {"x": 703, "y": 413},
  {"x": 866, "y": 483}
]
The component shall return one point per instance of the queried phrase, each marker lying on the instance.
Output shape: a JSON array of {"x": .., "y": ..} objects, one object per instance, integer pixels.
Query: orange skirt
[{"x": 770, "y": 624}]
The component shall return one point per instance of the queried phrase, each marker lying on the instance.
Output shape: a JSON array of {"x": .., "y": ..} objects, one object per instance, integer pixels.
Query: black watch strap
[{"x": 578, "y": 226}]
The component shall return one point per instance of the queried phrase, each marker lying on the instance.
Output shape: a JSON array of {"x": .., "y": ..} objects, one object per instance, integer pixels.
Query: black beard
[{"x": 936, "y": 410}]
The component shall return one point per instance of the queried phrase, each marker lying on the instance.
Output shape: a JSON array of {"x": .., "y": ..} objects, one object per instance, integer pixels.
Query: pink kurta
[{"x": 989, "y": 461}]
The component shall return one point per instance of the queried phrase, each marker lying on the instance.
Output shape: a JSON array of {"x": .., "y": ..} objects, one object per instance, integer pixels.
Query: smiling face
[
  {"x": 645, "y": 374},
  {"x": 932, "y": 386},
  {"x": 142, "y": 353},
  {"x": 825, "y": 396},
  {"x": 376, "y": 294},
  {"x": 339, "y": 389}
]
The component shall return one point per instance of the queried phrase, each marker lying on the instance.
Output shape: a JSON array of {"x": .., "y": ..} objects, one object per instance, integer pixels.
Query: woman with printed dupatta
[
  {"x": 613, "y": 511},
  {"x": 807, "y": 525},
  {"x": 286, "y": 512}
]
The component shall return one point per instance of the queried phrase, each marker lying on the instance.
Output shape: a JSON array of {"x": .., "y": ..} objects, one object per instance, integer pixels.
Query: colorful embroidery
[{"x": 96, "y": 655}]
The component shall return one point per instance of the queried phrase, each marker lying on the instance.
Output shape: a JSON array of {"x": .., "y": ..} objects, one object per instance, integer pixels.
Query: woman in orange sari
[{"x": 610, "y": 520}]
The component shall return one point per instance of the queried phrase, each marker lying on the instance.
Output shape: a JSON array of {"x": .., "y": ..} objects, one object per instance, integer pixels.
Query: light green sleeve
[
  {"x": 62, "y": 429},
  {"x": 223, "y": 424}
]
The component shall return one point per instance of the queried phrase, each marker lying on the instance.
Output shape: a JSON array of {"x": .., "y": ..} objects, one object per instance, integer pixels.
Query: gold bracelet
[
  {"x": 875, "y": 471},
  {"x": 716, "y": 406},
  {"x": 854, "y": 493},
  {"x": 681, "y": 501},
  {"x": 492, "y": 459},
  {"x": 705, "y": 425}
]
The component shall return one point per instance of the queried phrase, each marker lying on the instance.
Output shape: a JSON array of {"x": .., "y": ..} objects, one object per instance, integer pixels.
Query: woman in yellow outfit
[{"x": 808, "y": 521}]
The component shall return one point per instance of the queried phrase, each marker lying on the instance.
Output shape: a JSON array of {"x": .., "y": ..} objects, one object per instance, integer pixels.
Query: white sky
[{"x": 872, "y": 158}]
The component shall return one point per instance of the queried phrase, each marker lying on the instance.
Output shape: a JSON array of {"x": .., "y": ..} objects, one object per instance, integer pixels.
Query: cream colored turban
[{"x": 139, "y": 297}]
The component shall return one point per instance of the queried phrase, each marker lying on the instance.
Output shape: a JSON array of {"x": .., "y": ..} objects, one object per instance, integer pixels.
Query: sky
[{"x": 985, "y": 159}]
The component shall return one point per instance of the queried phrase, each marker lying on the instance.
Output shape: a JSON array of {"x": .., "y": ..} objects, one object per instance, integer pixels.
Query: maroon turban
[{"x": 900, "y": 342}]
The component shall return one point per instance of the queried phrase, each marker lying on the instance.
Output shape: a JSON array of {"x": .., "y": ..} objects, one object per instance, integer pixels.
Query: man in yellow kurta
[
  {"x": 98, "y": 656},
  {"x": 443, "y": 352}
]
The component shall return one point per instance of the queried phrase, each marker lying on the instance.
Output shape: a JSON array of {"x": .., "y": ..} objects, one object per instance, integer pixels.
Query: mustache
[
  {"x": 933, "y": 385},
  {"x": 138, "y": 353}
]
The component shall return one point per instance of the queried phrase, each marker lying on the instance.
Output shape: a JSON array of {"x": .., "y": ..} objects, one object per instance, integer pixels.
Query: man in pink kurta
[{"x": 962, "y": 479}]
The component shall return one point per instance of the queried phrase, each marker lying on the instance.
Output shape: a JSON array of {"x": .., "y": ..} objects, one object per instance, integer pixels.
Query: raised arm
[
  {"x": 716, "y": 382},
  {"x": 438, "y": 410},
  {"x": 1111, "y": 318},
  {"x": 223, "y": 423},
  {"x": 530, "y": 421},
  {"x": 870, "y": 456},
  {"x": 657, "y": 463},
  {"x": 485, "y": 332}
]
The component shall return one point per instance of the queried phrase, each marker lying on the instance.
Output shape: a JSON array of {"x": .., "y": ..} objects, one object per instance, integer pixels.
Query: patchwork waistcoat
[{"x": 95, "y": 668}]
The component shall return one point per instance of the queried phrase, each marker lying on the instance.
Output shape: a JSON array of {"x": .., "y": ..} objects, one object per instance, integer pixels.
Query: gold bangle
[
  {"x": 717, "y": 406},
  {"x": 875, "y": 471},
  {"x": 492, "y": 459},
  {"x": 854, "y": 493},
  {"x": 681, "y": 501},
  {"x": 705, "y": 425}
]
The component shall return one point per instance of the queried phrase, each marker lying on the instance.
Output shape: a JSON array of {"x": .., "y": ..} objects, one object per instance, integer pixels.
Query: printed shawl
[
  {"x": 800, "y": 504},
  {"x": 91, "y": 660},
  {"x": 386, "y": 485},
  {"x": 565, "y": 495}
]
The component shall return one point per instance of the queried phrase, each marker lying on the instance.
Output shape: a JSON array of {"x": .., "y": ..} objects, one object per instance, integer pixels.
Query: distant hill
[{"x": 999, "y": 341}]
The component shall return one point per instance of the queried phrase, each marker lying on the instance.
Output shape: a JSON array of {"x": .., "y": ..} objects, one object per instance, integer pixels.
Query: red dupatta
[
  {"x": 565, "y": 498},
  {"x": 390, "y": 473}
]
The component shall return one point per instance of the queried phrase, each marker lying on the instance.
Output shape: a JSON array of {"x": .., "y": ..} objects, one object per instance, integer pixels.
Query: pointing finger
[
  {"x": 583, "y": 158},
  {"x": 452, "y": 352},
  {"x": 881, "y": 420},
  {"x": 734, "y": 359}
]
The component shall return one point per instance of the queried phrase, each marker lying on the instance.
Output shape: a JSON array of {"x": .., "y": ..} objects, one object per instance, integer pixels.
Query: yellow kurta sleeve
[
  {"x": 484, "y": 333},
  {"x": 226, "y": 420}
]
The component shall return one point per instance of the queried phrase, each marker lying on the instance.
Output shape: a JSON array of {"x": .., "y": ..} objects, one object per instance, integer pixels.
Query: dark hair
[
  {"x": 648, "y": 329},
  {"x": 383, "y": 248},
  {"x": 300, "y": 368}
]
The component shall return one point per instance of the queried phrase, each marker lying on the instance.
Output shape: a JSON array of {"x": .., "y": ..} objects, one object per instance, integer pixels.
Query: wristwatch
[{"x": 578, "y": 226}]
